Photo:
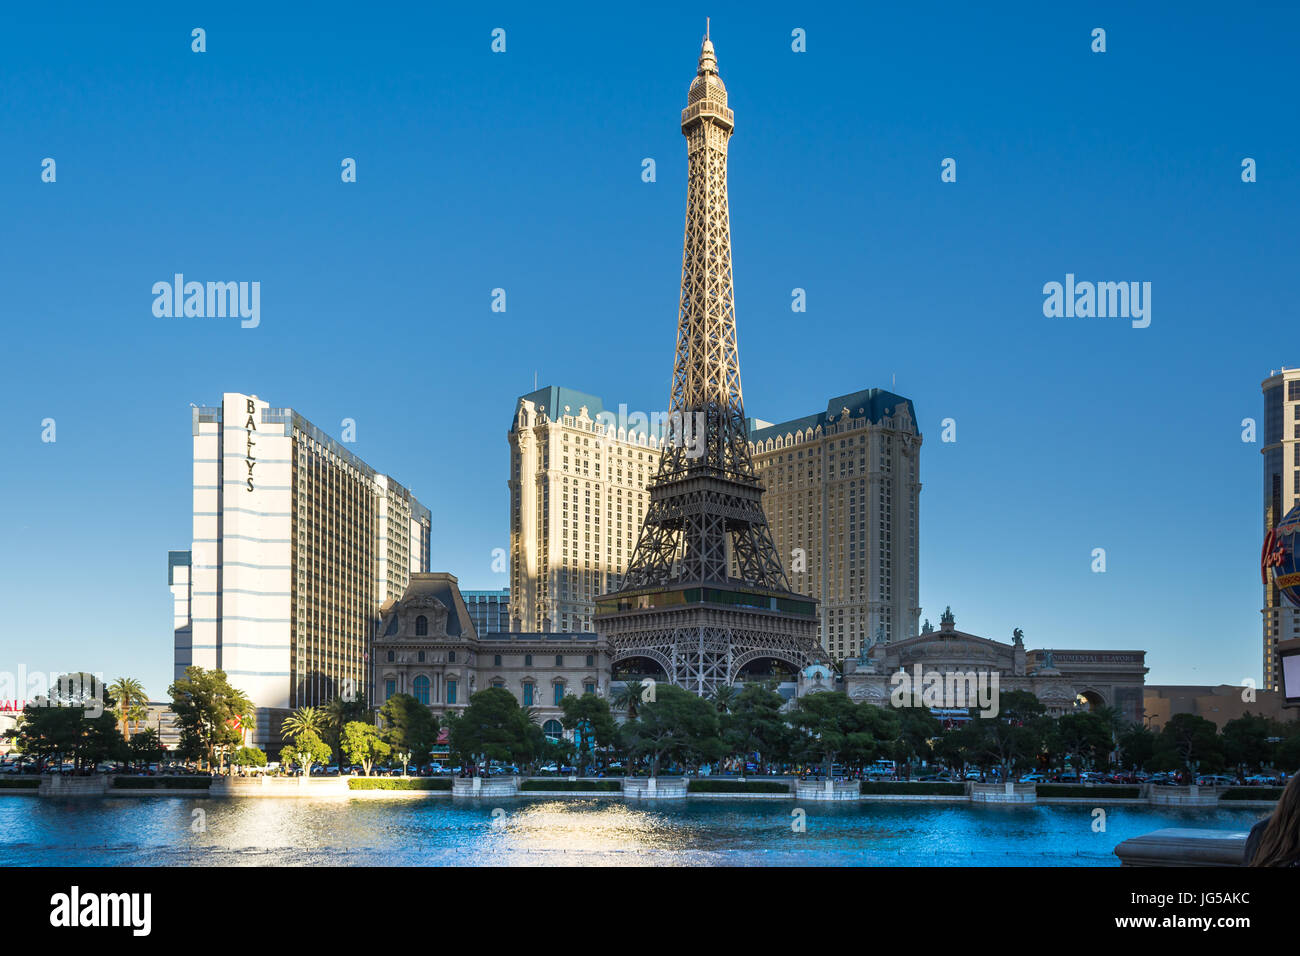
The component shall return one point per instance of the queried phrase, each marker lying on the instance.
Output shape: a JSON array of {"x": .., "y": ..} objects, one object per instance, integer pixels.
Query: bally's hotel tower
[{"x": 297, "y": 543}]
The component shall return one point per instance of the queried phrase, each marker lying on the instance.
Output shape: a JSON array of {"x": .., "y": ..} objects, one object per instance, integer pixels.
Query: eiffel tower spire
[
  {"x": 705, "y": 539},
  {"x": 705, "y": 502}
]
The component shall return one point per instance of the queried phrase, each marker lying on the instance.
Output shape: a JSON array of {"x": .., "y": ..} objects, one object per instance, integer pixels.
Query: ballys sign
[
  {"x": 250, "y": 426},
  {"x": 1279, "y": 557}
]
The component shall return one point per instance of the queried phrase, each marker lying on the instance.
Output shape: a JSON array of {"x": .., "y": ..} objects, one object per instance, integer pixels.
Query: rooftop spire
[{"x": 708, "y": 62}]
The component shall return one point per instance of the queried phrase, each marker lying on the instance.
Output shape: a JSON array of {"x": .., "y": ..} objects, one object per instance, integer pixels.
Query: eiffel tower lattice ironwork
[{"x": 705, "y": 592}]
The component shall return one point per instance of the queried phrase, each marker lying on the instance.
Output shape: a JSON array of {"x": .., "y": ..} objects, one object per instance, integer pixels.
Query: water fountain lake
[{"x": 342, "y": 831}]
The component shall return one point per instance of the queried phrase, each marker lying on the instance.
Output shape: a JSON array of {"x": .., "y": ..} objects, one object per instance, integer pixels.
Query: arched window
[
  {"x": 553, "y": 730},
  {"x": 421, "y": 626},
  {"x": 420, "y": 687}
]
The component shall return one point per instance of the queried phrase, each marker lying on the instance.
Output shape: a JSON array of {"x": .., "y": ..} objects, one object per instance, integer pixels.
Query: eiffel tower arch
[{"x": 705, "y": 593}]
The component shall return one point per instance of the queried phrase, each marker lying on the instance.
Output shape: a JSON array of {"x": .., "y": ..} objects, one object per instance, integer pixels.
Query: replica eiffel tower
[{"x": 705, "y": 593}]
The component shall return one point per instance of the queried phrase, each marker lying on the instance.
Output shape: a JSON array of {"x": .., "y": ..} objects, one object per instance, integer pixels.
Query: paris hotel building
[
  {"x": 842, "y": 497},
  {"x": 297, "y": 543}
]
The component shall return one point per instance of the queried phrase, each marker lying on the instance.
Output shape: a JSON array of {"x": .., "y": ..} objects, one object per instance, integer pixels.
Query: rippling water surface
[{"x": 181, "y": 831}]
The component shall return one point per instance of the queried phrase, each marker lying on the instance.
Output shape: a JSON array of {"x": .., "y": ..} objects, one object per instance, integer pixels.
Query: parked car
[
  {"x": 1215, "y": 780},
  {"x": 1034, "y": 777},
  {"x": 1261, "y": 780}
]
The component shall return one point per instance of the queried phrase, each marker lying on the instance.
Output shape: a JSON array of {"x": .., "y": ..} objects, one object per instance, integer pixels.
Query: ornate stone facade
[
  {"x": 428, "y": 647},
  {"x": 1061, "y": 679}
]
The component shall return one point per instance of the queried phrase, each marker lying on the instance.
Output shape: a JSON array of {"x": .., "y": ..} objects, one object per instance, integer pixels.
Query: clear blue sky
[{"x": 522, "y": 171}]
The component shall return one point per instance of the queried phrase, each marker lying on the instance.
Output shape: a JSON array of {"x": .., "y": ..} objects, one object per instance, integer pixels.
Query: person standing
[{"x": 1275, "y": 840}]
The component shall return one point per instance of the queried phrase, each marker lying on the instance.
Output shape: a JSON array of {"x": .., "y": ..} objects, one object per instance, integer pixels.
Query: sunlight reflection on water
[{"x": 166, "y": 831}]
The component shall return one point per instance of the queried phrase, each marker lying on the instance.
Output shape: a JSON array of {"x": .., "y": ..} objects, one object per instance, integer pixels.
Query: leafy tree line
[{"x": 84, "y": 723}]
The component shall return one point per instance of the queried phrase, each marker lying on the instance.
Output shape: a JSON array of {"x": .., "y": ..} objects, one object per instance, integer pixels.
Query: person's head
[{"x": 1280, "y": 843}]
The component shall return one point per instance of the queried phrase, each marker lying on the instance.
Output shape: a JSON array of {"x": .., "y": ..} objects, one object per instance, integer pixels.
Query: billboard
[{"x": 1279, "y": 558}]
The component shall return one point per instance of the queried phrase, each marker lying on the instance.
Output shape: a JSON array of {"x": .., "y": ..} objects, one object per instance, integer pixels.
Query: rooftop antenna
[{"x": 706, "y": 28}]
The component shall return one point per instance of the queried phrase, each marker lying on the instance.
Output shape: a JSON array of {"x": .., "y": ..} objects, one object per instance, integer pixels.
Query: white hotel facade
[{"x": 297, "y": 543}]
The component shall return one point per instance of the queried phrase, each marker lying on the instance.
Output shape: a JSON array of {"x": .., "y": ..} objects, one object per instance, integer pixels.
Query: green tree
[
  {"x": 74, "y": 722},
  {"x": 145, "y": 748},
  {"x": 363, "y": 744},
  {"x": 961, "y": 745},
  {"x": 628, "y": 697},
  {"x": 306, "y": 750},
  {"x": 131, "y": 702},
  {"x": 676, "y": 725},
  {"x": 724, "y": 698},
  {"x": 1137, "y": 745},
  {"x": 832, "y": 727},
  {"x": 1190, "y": 743},
  {"x": 493, "y": 727},
  {"x": 1084, "y": 734},
  {"x": 340, "y": 712},
  {"x": 1246, "y": 741},
  {"x": 210, "y": 714},
  {"x": 916, "y": 728},
  {"x": 305, "y": 718},
  {"x": 409, "y": 726},
  {"x": 248, "y": 757},
  {"x": 756, "y": 725},
  {"x": 1287, "y": 755},
  {"x": 589, "y": 716}
]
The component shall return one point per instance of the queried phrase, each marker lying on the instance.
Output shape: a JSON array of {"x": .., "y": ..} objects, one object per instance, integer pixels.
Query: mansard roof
[
  {"x": 872, "y": 403},
  {"x": 443, "y": 588}
]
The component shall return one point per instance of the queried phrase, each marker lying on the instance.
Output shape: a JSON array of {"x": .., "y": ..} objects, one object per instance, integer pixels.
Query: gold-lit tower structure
[{"x": 705, "y": 595}]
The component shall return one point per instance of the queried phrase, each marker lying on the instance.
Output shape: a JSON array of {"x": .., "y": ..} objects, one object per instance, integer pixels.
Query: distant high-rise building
[
  {"x": 297, "y": 544},
  {"x": 842, "y": 495},
  {"x": 1281, "y": 491},
  {"x": 489, "y": 610},
  {"x": 577, "y": 483}
]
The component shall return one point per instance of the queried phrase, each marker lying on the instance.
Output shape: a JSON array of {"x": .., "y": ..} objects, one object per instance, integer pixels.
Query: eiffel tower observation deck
[{"x": 705, "y": 596}]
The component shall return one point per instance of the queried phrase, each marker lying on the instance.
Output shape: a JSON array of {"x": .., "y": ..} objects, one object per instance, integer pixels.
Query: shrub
[
  {"x": 737, "y": 786},
  {"x": 1252, "y": 793},
  {"x": 195, "y": 782},
  {"x": 932, "y": 789},
  {"x": 1078, "y": 790},
  {"x": 613, "y": 786},
  {"x": 19, "y": 783},
  {"x": 399, "y": 783}
]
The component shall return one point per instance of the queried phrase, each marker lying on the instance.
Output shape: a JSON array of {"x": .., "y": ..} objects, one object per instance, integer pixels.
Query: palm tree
[
  {"x": 724, "y": 698},
  {"x": 1114, "y": 719},
  {"x": 131, "y": 699},
  {"x": 629, "y": 697},
  {"x": 304, "y": 719},
  {"x": 340, "y": 712}
]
